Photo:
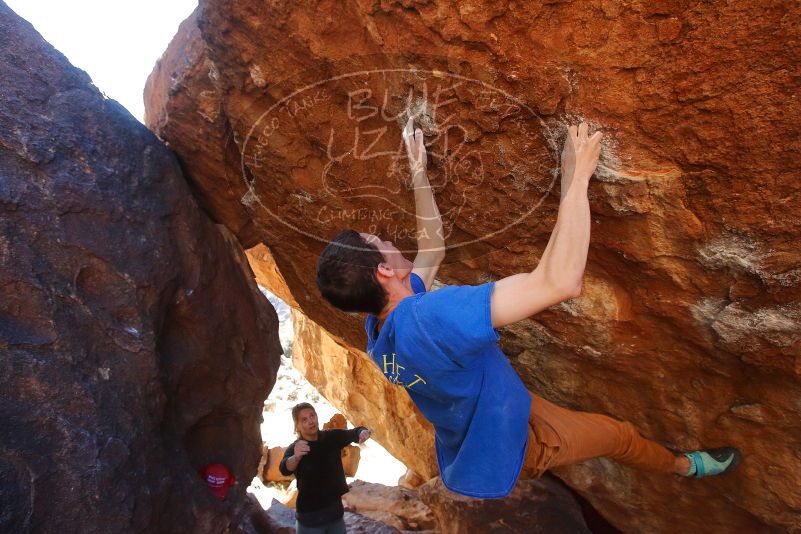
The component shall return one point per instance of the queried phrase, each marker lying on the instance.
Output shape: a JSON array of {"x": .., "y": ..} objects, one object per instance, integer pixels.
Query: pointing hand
[{"x": 301, "y": 449}]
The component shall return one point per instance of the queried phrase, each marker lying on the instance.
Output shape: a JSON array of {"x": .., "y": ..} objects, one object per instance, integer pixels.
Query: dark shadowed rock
[
  {"x": 134, "y": 344},
  {"x": 359, "y": 524},
  {"x": 534, "y": 506},
  {"x": 282, "y": 521},
  {"x": 281, "y": 518}
]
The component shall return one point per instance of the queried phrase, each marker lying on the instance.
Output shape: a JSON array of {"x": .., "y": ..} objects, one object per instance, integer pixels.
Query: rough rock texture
[
  {"x": 135, "y": 346},
  {"x": 359, "y": 524},
  {"x": 410, "y": 480},
  {"x": 179, "y": 95},
  {"x": 257, "y": 520},
  {"x": 535, "y": 506},
  {"x": 281, "y": 518},
  {"x": 689, "y": 324},
  {"x": 398, "y": 507},
  {"x": 282, "y": 521}
]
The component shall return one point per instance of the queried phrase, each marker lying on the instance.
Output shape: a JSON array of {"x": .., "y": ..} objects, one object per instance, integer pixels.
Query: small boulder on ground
[{"x": 395, "y": 506}]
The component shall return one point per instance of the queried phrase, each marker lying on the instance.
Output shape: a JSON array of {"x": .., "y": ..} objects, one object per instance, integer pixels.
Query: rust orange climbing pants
[{"x": 558, "y": 436}]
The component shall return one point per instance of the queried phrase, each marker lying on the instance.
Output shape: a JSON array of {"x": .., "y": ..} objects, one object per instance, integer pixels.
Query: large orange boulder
[{"x": 287, "y": 118}]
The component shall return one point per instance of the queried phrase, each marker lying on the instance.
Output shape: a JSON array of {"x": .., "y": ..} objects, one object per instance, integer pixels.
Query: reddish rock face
[
  {"x": 286, "y": 117},
  {"x": 135, "y": 346}
]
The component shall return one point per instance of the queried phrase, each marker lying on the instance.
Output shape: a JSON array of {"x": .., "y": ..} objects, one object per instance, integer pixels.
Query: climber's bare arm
[
  {"x": 558, "y": 276},
  {"x": 430, "y": 240}
]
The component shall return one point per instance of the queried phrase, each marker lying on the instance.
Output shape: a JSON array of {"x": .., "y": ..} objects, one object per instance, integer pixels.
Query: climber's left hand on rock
[{"x": 415, "y": 147}]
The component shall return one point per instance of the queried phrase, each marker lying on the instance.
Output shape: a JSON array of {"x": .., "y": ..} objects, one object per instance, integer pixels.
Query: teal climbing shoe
[{"x": 713, "y": 461}]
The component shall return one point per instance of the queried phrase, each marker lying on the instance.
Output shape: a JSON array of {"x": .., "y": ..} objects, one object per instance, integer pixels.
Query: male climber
[{"x": 441, "y": 345}]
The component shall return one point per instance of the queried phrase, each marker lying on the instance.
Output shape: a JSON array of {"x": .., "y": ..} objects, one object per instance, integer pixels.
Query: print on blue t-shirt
[{"x": 442, "y": 348}]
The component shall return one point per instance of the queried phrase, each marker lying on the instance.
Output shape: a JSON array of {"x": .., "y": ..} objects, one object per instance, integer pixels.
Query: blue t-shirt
[{"x": 442, "y": 348}]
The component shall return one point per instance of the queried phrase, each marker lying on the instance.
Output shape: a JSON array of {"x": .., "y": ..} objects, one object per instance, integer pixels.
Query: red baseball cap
[{"x": 219, "y": 479}]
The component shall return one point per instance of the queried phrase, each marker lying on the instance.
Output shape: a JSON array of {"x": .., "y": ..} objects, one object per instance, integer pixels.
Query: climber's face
[
  {"x": 307, "y": 423},
  {"x": 393, "y": 258}
]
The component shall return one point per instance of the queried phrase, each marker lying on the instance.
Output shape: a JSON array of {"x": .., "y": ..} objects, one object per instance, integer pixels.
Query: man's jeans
[{"x": 334, "y": 527}]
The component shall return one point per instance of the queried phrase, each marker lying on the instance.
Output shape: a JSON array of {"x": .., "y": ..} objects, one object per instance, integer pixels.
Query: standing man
[
  {"x": 442, "y": 345},
  {"x": 316, "y": 461}
]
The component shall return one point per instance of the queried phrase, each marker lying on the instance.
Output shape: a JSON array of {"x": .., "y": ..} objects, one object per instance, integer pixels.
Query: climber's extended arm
[
  {"x": 558, "y": 276},
  {"x": 430, "y": 236}
]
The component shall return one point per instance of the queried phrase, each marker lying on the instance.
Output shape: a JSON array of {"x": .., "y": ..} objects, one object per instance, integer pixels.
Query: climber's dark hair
[{"x": 346, "y": 274}]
